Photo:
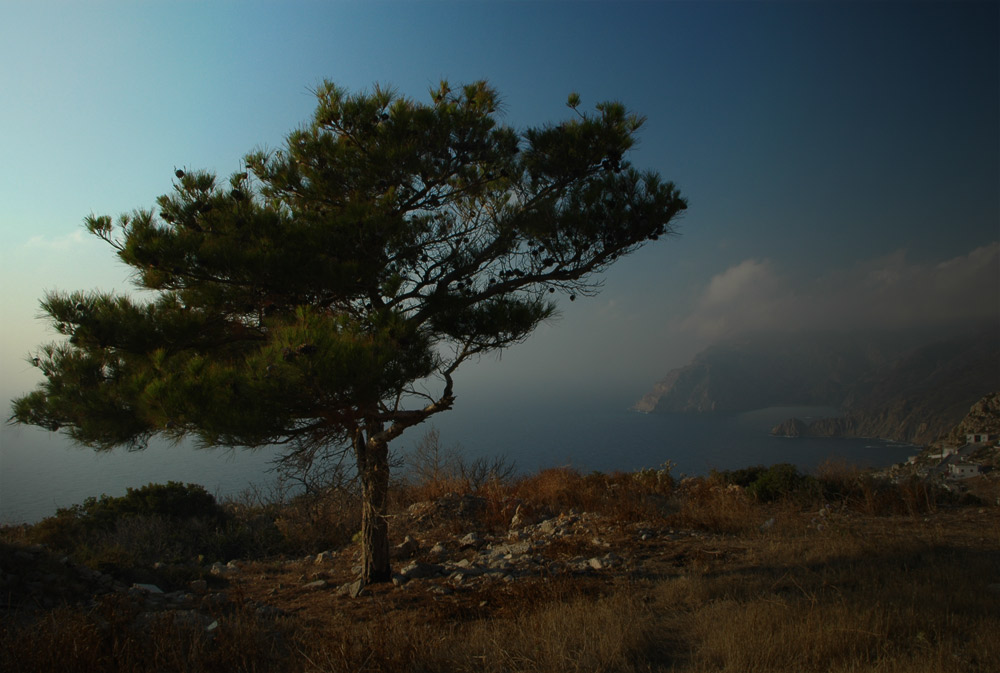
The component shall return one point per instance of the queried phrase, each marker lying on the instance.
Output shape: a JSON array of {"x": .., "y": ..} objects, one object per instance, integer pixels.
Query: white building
[
  {"x": 982, "y": 437},
  {"x": 945, "y": 452},
  {"x": 962, "y": 470}
]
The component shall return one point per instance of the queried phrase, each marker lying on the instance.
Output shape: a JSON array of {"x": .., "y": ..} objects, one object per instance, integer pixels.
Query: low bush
[
  {"x": 177, "y": 523},
  {"x": 172, "y": 500},
  {"x": 153, "y": 506},
  {"x": 781, "y": 481},
  {"x": 168, "y": 523},
  {"x": 742, "y": 477}
]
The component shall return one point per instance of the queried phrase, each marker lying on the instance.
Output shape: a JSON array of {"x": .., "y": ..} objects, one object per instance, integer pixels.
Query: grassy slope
[{"x": 887, "y": 578}]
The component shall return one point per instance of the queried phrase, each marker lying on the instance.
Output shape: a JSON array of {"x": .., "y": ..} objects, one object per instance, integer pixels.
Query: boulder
[
  {"x": 417, "y": 570},
  {"x": 549, "y": 526},
  {"x": 523, "y": 516},
  {"x": 471, "y": 540},
  {"x": 352, "y": 589},
  {"x": 407, "y": 548}
]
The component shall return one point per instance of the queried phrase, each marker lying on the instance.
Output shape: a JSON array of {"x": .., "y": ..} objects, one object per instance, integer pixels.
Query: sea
[{"x": 42, "y": 471}]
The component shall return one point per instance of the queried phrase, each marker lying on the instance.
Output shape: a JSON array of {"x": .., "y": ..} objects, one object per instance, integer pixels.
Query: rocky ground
[
  {"x": 445, "y": 567},
  {"x": 442, "y": 555}
]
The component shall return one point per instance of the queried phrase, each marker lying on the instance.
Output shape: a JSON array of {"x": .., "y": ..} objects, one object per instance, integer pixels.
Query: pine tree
[{"x": 325, "y": 296}]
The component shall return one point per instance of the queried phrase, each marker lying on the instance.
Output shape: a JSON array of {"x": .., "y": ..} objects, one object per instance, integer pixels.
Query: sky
[{"x": 841, "y": 159}]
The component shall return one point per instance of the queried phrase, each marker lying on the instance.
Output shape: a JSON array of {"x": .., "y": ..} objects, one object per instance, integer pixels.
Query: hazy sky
[{"x": 840, "y": 159}]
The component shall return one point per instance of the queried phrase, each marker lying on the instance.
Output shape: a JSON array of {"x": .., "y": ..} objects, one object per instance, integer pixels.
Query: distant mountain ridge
[{"x": 903, "y": 386}]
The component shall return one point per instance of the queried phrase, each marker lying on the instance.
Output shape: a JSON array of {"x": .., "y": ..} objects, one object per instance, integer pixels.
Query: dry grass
[
  {"x": 705, "y": 505},
  {"x": 866, "y": 578},
  {"x": 114, "y": 637},
  {"x": 614, "y": 633},
  {"x": 872, "y": 596}
]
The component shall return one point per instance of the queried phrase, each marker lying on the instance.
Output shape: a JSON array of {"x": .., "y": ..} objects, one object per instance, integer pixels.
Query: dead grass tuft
[{"x": 709, "y": 506}]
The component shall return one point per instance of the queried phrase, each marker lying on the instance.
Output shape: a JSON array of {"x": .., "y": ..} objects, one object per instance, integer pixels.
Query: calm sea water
[{"x": 41, "y": 471}]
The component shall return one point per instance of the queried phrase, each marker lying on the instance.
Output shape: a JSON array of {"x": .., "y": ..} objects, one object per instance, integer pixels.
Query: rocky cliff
[{"x": 983, "y": 417}]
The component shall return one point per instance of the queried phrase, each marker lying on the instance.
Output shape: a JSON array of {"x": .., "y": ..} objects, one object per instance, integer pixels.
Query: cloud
[
  {"x": 885, "y": 292},
  {"x": 751, "y": 277},
  {"x": 742, "y": 297},
  {"x": 68, "y": 241}
]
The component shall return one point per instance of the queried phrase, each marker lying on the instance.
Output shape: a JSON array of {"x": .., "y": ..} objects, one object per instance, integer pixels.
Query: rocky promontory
[
  {"x": 822, "y": 427},
  {"x": 793, "y": 427}
]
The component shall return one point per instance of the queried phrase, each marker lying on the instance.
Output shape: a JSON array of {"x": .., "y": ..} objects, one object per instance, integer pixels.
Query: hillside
[
  {"x": 919, "y": 399},
  {"x": 900, "y": 386}
]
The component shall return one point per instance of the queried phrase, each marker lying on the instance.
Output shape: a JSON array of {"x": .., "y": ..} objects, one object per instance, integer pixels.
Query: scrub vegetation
[{"x": 763, "y": 569}]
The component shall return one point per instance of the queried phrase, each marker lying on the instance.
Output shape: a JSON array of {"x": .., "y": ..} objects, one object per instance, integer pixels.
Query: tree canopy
[{"x": 327, "y": 292}]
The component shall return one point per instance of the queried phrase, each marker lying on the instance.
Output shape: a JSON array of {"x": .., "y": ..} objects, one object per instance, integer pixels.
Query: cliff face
[
  {"x": 886, "y": 385},
  {"x": 983, "y": 417},
  {"x": 768, "y": 370},
  {"x": 651, "y": 399},
  {"x": 927, "y": 393}
]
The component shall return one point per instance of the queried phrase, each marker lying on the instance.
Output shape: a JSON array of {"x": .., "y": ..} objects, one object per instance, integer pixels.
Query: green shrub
[
  {"x": 742, "y": 478},
  {"x": 776, "y": 482},
  {"x": 767, "y": 484},
  {"x": 66, "y": 530},
  {"x": 172, "y": 500},
  {"x": 157, "y": 522}
]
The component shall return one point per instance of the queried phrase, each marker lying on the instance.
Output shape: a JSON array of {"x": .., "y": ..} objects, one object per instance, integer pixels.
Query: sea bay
[{"x": 41, "y": 471}]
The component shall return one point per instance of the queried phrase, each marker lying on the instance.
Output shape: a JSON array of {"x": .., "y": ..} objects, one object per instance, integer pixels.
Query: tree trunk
[{"x": 373, "y": 469}]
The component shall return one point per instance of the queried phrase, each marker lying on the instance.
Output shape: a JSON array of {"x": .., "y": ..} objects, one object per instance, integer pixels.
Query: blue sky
[{"x": 840, "y": 159}]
